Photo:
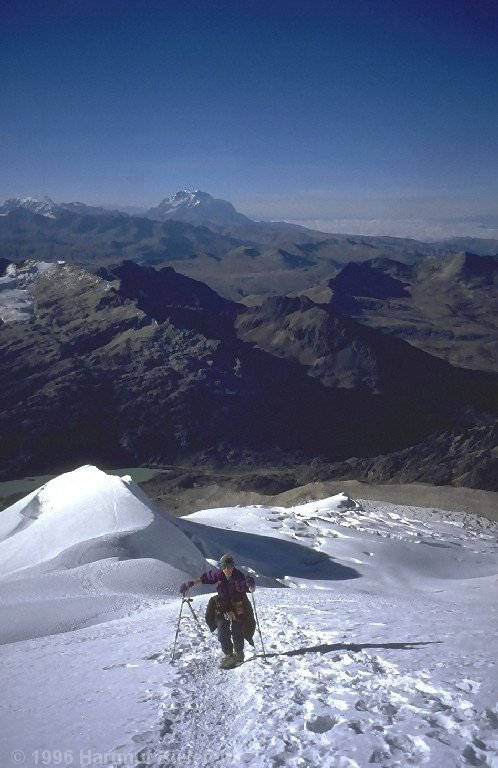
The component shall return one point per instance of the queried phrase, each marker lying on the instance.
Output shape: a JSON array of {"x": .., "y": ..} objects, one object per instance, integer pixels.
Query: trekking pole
[
  {"x": 257, "y": 624},
  {"x": 188, "y": 600},
  {"x": 177, "y": 630}
]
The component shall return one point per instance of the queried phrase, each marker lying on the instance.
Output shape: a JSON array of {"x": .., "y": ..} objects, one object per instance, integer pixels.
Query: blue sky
[{"x": 345, "y": 108}]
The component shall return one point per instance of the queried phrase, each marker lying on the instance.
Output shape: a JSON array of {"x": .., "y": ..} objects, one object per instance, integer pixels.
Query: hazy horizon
[{"x": 428, "y": 229}]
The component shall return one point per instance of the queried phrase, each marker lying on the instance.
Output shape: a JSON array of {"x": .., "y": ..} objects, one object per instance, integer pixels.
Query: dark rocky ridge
[
  {"x": 446, "y": 306},
  {"x": 467, "y": 458},
  {"x": 146, "y": 367},
  {"x": 464, "y": 460},
  {"x": 341, "y": 352},
  {"x": 94, "y": 373}
]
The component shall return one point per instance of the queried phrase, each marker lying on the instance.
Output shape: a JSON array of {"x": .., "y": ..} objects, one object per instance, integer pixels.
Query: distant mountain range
[
  {"x": 45, "y": 206},
  {"x": 201, "y": 209},
  {"x": 237, "y": 259},
  {"x": 193, "y": 207}
]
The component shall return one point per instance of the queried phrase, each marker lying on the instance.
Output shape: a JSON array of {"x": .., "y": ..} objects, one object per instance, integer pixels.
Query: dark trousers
[{"x": 230, "y": 637}]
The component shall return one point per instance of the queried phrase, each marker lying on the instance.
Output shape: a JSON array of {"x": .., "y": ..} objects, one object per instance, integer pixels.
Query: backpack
[{"x": 217, "y": 606}]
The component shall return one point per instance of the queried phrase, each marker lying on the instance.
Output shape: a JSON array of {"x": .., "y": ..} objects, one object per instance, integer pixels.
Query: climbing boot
[{"x": 228, "y": 661}]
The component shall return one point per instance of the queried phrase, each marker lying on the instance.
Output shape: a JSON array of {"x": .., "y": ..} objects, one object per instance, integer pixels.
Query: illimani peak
[{"x": 197, "y": 207}]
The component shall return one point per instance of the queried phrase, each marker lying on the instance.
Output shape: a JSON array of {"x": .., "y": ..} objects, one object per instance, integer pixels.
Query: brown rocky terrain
[
  {"x": 445, "y": 306},
  {"x": 181, "y": 492},
  {"x": 135, "y": 366},
  {"x": 144, "y": 367},
  {"x": 271, "y": 355},
  {"x": 235, "y": 260}
]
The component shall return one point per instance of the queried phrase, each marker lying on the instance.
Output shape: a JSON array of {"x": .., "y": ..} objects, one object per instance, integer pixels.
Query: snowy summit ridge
[
  {"x": 185, "y": 198},
  {"x": 109, "y": 511},
  {"x": 197, "y": 207},
  {"x": 44, "y": 206}
]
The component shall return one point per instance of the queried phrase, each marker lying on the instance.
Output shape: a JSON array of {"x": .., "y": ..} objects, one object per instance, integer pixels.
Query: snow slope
[
  {"x": 378, "y": 622},
  {"x": 16, "y": 300}
]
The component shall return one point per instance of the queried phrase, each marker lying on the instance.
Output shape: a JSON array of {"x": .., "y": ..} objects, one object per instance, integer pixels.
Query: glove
[
  {"x": 251, "y": 584},
  {"x": 186, "y": 586}
]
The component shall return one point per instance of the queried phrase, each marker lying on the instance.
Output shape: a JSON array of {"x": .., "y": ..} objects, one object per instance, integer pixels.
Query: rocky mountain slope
[
  {"x": 142, "y": 368},
  {"x": 135, "y": 366},
  {"x": 268, "y": 346},
  {"x": 446, "y": 306},
  {"x": 340, "y": 352}
]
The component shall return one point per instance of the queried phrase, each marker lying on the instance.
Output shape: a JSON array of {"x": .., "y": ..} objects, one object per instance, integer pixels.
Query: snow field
[
  {"x": 378, "y": 623},
  {"x": 323, "y": 699}
]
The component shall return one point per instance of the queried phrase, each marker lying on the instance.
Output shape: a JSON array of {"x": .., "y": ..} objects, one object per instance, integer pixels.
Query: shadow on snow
[
  {"x": 351, "y": 647},
  {"x": 270, "y": 556}
]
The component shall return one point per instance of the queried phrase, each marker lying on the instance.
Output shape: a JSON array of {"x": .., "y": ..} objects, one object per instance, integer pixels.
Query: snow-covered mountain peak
[
  {"x": 109, "y": 511},
  {"x": 44, "y": 206},
  {"x": 192, "y": 206},
  {"x": 187, "y": 197},
  {"x": 197, "y": 207}
]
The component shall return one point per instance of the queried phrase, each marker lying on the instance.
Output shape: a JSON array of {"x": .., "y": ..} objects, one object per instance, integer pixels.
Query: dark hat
[{"x": 226, "y": 560}]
